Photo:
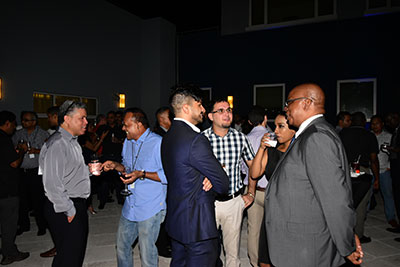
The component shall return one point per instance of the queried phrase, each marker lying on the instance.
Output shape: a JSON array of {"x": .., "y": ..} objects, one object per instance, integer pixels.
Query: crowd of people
[{"x": 186, "y": 184}]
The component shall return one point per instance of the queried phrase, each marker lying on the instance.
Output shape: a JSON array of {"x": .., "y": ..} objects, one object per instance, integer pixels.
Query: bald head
[{"x": 304, "y": 101}]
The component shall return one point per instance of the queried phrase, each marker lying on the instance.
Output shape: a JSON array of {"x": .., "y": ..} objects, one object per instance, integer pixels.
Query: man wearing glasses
[
  {"x": 309, "y": 215},
  {"x": 229, "y": 147},
  {"x": 31, "y": 186}
]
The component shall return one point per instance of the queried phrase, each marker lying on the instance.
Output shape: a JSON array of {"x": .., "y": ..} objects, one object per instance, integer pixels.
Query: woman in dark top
[
  {"x": 90, "y": 143},
  {"x": 265, "y": 162}
]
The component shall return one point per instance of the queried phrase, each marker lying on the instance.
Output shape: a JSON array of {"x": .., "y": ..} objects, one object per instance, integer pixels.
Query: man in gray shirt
[
  {"x": 67, "y": 185},
  {"x": 31, "y": 186}
]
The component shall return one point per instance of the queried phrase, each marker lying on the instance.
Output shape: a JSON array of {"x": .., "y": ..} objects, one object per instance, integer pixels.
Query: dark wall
[
  {"x": 323, "y": 53},
  {"x": 86, "y": 48}
]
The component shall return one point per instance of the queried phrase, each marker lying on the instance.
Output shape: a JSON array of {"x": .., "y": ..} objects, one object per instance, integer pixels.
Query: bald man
[{"x": 309, "y": 212}]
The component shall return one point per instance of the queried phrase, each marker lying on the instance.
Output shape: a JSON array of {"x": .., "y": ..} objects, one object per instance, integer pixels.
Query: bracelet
[
  {"x": 143, "y": 176},
  {"x": 250, "y": 194}
]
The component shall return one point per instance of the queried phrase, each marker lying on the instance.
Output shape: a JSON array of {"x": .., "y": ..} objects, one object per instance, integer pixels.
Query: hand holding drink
[{"x": 269, "y": 140}]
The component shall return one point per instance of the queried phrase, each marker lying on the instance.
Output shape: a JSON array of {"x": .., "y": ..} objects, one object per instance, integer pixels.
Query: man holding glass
[
  {"x": 67, "y": 185},
  {"x": 146, "y": 186}
]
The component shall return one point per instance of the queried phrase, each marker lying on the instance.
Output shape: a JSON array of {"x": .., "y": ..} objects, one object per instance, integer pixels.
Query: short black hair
[
  {"x": 215, "y": 101},
  {"x": 256, "y": 115},
  {"x": 67, "y": 108},
  {"x": 341, "y": 116},
  {"x": 358, "y": 119},
  {"x": 377, "y": 116},
  {"x": 181, "y": 93},
  {"x": 139, "y": 115},
  {"x": 35, "y": 116},
  {"x": 5, "y": 116},
  {"x": 53, "y": 110}
]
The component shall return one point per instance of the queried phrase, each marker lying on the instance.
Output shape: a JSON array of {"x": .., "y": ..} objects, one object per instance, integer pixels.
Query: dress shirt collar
[
  {"x": 197, "y": 130},
  {"x": 66, "y": 134},
  {"x": 306, "y": 123}
]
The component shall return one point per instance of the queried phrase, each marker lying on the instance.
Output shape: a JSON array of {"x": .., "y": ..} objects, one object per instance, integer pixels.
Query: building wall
[
  {"x": 87, "y": 48},
  {"x": 365, "y": 47}
]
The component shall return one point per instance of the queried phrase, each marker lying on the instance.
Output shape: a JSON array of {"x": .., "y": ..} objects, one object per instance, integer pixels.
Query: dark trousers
[
  {"x": 31, "y": 194},
  {"x": 8, "y": 222},
  {"x": 70, "y": 238},
  {"x": 197, "y": 254},
  {"x": 360, "y": 186},
  {"x": 395, "y": 173}
]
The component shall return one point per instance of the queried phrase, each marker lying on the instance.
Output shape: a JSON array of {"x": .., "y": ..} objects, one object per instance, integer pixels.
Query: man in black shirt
[
  {"x": 362, "y": 146},
  {"x": 10, "y": 159}
]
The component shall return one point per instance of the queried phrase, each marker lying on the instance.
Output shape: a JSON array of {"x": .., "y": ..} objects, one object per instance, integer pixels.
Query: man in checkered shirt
[{"x": 229, "y": 146}]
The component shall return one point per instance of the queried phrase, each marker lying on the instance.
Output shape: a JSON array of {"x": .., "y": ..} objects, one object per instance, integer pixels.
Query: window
[
  {"x": 376, "y": 7},
  {"x": 43, "y": 101},
  {"x": 357, "y": 95},
  {"x": 273, "y": 13},
  {"x": 271, "y": 97}
]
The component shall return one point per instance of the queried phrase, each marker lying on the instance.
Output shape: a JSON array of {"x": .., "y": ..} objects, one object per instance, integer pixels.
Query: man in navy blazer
[{"x": 188, "y": 160}]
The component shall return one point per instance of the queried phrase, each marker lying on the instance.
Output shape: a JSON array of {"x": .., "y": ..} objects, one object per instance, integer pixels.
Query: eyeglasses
[
  {"x": 290, "y": 101},
  {"x": 221, "y": 111}
]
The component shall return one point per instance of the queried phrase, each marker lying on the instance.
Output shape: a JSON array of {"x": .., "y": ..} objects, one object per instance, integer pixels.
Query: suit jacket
[
  {"x": 187, "y": 158},
  {"x": 309, "y": 212}
]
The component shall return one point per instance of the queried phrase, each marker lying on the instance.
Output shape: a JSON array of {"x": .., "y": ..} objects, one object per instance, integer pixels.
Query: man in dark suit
[
  {"x": 309, "y": 212},
  {"x": 187, "y": 159}
]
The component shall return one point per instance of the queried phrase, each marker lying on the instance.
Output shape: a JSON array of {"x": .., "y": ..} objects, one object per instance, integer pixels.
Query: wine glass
[{"x": 126, "y": 191}]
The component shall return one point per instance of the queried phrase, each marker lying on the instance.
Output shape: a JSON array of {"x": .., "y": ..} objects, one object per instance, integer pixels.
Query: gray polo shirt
[
  {"x": 36, "y": 140},
  {"x": 65, "y": 174}
]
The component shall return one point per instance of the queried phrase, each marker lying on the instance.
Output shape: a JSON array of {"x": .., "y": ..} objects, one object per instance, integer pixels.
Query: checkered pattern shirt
[{"x": 229, "y": 149}]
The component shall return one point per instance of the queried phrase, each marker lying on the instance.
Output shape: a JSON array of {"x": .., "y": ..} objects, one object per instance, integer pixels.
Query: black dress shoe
[
  {"x": 50, "y": 253},
  {"x": 397, "y": 239},
  {"x": 41, "y": 232},
  {"x": 365, "y": 239},
  {"x": 394, "y": 230},
  {"x": 10, "y": 259},
  {"x": 101, "y": 206}
]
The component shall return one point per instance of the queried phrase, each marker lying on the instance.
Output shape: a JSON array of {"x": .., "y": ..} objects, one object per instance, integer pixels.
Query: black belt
[
  {"x": 228, "y": 197},
  {"x": 30, "y": 170},
  {"x": 78, "y": 200}
]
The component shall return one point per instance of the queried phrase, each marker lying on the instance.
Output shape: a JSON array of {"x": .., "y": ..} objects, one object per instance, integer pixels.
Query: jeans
[
  {"x": 147, "y": 231},
  {"x": 387, "y": 193}
]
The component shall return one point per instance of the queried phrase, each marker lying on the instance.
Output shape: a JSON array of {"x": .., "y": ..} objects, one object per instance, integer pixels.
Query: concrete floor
[{"x": 383, "y": 251}]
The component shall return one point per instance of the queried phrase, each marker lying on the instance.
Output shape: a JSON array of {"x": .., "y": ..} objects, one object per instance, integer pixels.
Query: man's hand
[
  {"x": 131, "y": 177},
  {"x": 109, "y": 165},
  {"x": 248, "y": 199},
  {"x": 357, "y": 256},
  {"x": 70, "y": 218},
  {"x": 376, "y": 184},
  {"x": 207, "y": 185}
]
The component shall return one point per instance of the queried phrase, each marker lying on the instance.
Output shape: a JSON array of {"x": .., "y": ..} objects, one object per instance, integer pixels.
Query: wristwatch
[{"x": 143, "y": 176}]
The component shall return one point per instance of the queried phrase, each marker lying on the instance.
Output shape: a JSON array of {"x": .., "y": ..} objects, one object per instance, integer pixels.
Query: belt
[
  {"x": 78, "y": 200},
  {"x": 30, "y": 169},
  {"x": 262, "y": 189},
  {"x": 223, "y": 198}
]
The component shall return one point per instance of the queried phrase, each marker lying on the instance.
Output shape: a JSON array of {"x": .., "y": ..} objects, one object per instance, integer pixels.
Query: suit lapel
[{"x": 304, "y": 133}]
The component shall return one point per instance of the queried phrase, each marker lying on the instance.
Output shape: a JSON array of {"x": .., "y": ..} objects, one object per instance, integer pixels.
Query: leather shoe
[
  {"x": 394, "y": 230},
  {"x": 50, "y": 253},
  {"x": 365, "y": 239},
  {"x": 10, "y": 259},
  {"x": 394, "y": 223}
]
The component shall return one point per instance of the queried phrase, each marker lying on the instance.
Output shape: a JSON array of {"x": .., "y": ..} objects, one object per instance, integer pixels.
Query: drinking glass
[{"x": 126, "y": 191}]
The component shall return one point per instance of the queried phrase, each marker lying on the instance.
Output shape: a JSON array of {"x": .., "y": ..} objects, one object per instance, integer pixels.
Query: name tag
[{"x": 31, "y": 156}]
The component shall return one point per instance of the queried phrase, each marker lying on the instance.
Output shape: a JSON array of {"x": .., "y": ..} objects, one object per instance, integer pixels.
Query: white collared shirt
[
  {"x": 189, "y": 123},
  {"x": 306, "y": 123}
]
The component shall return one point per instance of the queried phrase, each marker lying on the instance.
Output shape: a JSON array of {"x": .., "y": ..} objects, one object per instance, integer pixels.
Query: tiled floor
[{"x": 383, "y": 251}]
